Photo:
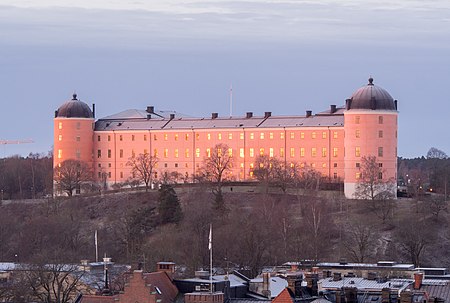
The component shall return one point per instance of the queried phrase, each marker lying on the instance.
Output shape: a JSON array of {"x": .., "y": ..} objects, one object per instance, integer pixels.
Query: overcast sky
[{"x": 280, "y": 56}]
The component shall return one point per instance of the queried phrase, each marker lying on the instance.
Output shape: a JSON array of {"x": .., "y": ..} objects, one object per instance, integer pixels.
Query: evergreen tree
[{"x": 169, "y": 205}]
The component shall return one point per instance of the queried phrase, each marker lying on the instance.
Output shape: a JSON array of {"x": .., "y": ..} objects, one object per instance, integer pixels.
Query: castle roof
[
  {"x": 371, "y": 97},
  {"x": 74, "y": 109}
]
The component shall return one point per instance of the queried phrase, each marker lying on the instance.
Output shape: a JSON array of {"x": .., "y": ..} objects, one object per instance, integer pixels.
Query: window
[
  {"x": 120, "y": 138},
  {"x": 292, "y": 135},
  {"x": 380, "y": 134},
  {"x": 155, "y": 152},
  {"x": 380, "y": 119},
  {"x": 313, "y": 152},
  {"x": 121, "y": 153},
  {"x": 145, "y": 137},
  {"x": 133, "y": 154},
  {"x": 155, "y": 138},
  {"x": 324, "y": 165},
  {"x": 324, "y": 135},
  {"x": 313, "y": 135},
  {"x": 186, "y": 153},
  {"x": 98, "y": 138},
  {"x": 358, "y": 165},
  {"x": 335, "y": 165},
  {"x": 302, "y": 151},
  {"x": 230, "y": 136},
  {"x": 270, "y": 136},
  {"x": 165, "y": 137},
  {"x": 176, "y": 153},
  {"x": 208, "y": 136},
  {"x": 241, "y": 136},
  {"x": 219, "y": 136},
  {"x": 281, "y": 136},
  {"x": 99, "y": 153},
  {"x": 197, "y": 137},
  {"x": 357, "y": 119},
  {"x": 261, "y": 136},
  {"x": 176, "y": 164},
  {"x": 78, "y": 125},
  {"x": 78, "y": 138},
  {"x": 241, "y": 152},
  {"x": 380, "y": 165},
  {"x": 109, "y": 137},
  {"x": 292, "y": 152},
  {"x": 302, "y": 135},
  {"x": 59, "y": 153},
  {"x": 357, "y": 151},
  {"x": 197, "y": 152},
  {"x": 60, "y": 138},
  {"x": 166, "y": 153},
  {"x": 357, "y": 133},
  {"x": 281, "y": 152},
  {"x": 60, "y": 125},
  {"x": 109, "y": 153},
  {"x": 335, "y": 151},
  {"x": 145, "y": 151},
  {"x": 358, "y": 175},
  {"x": 230, "y": 152},
  {"x": 380, "y": 175},
  {"x": 208, "y": 152},
  {"x": 334, "y": 175},
  {"x": 252, "y": 152},
  {"x": 271, "y": 152},
  {"x": 121, "y": 174},
  {"x": 324, "y": 151},
  {"x": 261, "y": 151},
  {"x": 252, "y": 136},
  {"x": 109, "y": 174},
  {"x": 335, "y": 135},
  {"x": 176, "y": 137},
  {"x": 380, "y": 151}
]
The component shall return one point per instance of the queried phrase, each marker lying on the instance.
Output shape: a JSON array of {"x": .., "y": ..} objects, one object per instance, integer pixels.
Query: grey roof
[
  {"x": 74, "y": 109},
  {"x": 372, "y": 97},
  {"x": 276, "y": 284},
  {"x": 132, "y": 120},
  {"x": 362, "y": 284}
]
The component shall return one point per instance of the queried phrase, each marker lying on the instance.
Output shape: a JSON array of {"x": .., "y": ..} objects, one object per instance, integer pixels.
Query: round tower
[
  {"x": 370, "y": 125},
  {"x": 73, "y": 132}
]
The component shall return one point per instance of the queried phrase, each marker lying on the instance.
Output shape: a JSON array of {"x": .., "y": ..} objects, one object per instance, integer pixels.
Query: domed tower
[
  {"x": 73, "y": 132},
  {"x": 370, "y": 125}
]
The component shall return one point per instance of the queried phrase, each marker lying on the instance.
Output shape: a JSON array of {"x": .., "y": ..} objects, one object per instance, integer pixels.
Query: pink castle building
[{"x": 332, "y": 142}]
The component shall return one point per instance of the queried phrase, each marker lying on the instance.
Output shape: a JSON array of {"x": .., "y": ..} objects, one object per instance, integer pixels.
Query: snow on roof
[{"x": 276, "y": 284}]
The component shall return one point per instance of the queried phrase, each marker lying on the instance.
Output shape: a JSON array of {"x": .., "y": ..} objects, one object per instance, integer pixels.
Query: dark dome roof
[
  {"x": 74, "y": 109},
  {"x": 371, "y": 97}
]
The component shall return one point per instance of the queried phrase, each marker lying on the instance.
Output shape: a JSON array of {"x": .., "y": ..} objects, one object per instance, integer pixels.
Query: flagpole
[
  {"x": 96, "y": 246},
  {"x": 210, "y": 259}
]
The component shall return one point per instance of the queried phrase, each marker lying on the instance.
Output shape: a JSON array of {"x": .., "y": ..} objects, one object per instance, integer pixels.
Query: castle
[{"x": 333, "y": 141}]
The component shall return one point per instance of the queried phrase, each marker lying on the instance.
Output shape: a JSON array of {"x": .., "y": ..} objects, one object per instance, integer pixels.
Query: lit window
[
  {"x": 313, "y": 152},
  {"x": 99, "y": 153},
  {"x": 241, "y": 165},
  {"x": 292, "y": 152},
  {"x": 230, "y": 136},
  {"x": 241, "y": 152},
  {"x": 261, "y": 136},
  {"x": 251, "y": 165},
  {"x": 208, "y": 152},
  {"x": 380, "y": 134},
  {"x": 380, "y": 151},
  {"x": 302, "y": 135},
  {"x": 155, "y": 152},
  {"x": 335, "y": 151},
  {"x": 121, "y": 153},
  {"x": 313, "y": 135},
  {"x": 208, "y": 136},
  {"x": 252, "y": 152},
  {"x": 60, "y": 125},
  {"x": 197, "y": 152},
  {"x": 241, "y": 136},
  {"x": 109, "y": 153},
  {"x": 252, "y": 136},
  {"x": 60, "y": 137},
  {"x": 358, "y": 175},
  {"x": 166, "y": 153},
  {"x": 357, "y": 151},
  {"x": 186, "y": 153},
  {"x": 282, "y": 136},
  {"x": 335, "y": 135},
  {"x": 261, "y": 151},
  {"x": 357, "y": 133},
  {"x": 230, "y": 152},
  {"x": 186, "y": 137},
  {"x": 302, "y": 151},
  {"x": 219, "y": 136},
  {"x": 176, "y": 137},
  {"x": 324, "y": 165},
  {"x": 281, "y": 152},
  {"x": 176, "y": 152},
  {"x": 271, "y": 152},
  {"x": 313, "y": 165},
  {"x": 145, "y": 151},
  {"x": 324, "y": 135},
  {"x": 271, "y": 136},
  {"x": 59, "y": 153},
  {"x": 197, "y": 137},
  {"x": 380, "y": 119},
  {"x": 357, "y": 119},
  {"x": 324, "y": 151},
  {"x": 165, "y": 137},
  {"x": 292, "y": 135}
]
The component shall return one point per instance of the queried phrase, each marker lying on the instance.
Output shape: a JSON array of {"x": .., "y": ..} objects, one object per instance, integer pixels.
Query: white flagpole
[
  {"x": 96, "y": 246},
  {"x": 231, "y": 100},
  {"x": 210, "y": 258}
]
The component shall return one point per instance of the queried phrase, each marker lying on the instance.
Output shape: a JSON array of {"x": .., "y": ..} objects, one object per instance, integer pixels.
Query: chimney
[
  {"x": 214, "y": 115},
  {"x": 249, "y": 115},
  {"x": 326, "y": 274},
  {"x": 351, "y": 294},
  {"x": 294, "y": 267},
  {"x": 56, "y": 113},
  {"x": 371, "y": 276},
  {"x": 172, "y": 116},
  {"x": 167, "y": 267},
  {"x": 406, "y": 296},
  {"x": 150, "y": 109},
  {"x": 266, "y": 285},
  {"x": 308, "y": 113},
  {"x": 348, "y": 104},
  {"x": 418, "y": 278},
  {"x": 337, "y": 276},
  {"x": 332, "y": 108},
  {"x": 149, "y": 116},
  {"x": 395, "y": 104},
  {"x": 385, "y": 295},
  {"x": 93, "y": 109},
  {"x": 267, "y": 114}
]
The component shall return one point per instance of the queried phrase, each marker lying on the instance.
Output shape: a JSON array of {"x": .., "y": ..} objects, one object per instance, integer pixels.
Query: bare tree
[
  {"x": 358, "y": 241},
  {"x": 371, "y": 184},
  {"x": 436, "y": 205},
  {"x": 264, "y": 170},
  {"x": 142, "y": 167},
  {"x": 434, "y": 153},
  {"x": 216, "y": 165},
  {"x": 71, "y": 175}
]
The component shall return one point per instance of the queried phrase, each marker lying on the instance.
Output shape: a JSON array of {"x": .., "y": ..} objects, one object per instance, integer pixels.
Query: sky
[{"x": 280, "y": 56}]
